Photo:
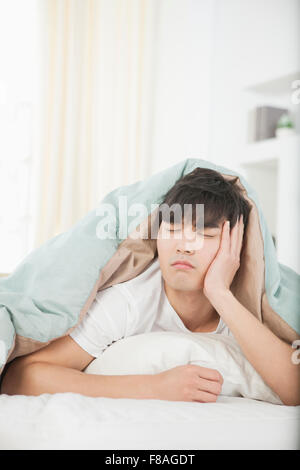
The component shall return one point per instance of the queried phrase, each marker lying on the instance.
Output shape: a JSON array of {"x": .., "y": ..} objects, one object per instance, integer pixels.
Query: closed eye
[{"x": 199, "y": 233}]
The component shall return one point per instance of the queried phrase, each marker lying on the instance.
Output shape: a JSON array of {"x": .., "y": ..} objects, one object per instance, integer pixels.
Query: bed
[
  {"x": 50, "y": 292},
  {"x": 73, "y": 421}
]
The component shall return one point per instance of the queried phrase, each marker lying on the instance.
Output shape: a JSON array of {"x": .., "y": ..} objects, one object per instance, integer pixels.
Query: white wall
[
  {"x": 209, "y": 53},
  {"x": 182, "y": 82},
  {"x": 254, "y": 40}
]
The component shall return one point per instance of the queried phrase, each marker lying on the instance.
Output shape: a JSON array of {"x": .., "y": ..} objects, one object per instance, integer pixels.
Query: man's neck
[{"x": 193, "y": 308}]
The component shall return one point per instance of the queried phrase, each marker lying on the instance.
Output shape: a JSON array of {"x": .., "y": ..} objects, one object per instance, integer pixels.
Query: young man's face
[{"x": 182, "y": 243}]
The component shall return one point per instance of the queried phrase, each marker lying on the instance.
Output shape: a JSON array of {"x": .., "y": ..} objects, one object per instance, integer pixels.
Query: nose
[
  {"x": 184, "y": 250},
  {"x": 189, "y": 242}
]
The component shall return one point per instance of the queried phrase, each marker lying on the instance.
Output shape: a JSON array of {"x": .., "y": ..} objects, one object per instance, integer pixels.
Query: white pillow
[{"x": 151, "y": 353}]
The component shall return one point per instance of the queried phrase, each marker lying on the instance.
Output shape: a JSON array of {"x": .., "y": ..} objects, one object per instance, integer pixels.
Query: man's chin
[{"x": 184, "y": 284}]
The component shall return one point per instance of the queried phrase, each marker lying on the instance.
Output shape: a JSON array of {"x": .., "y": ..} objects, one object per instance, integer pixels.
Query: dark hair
[{"x": 223, "y": 199}]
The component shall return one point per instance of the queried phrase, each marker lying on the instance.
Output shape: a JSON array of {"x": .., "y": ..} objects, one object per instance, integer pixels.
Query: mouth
[{"x": 182, "y": 265}]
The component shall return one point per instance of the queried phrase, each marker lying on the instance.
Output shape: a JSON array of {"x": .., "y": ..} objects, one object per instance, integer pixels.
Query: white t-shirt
[{"x": 137, "y": 306}]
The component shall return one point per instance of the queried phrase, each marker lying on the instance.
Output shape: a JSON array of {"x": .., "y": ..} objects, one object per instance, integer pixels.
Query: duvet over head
[{"x": 51, "y": 290}]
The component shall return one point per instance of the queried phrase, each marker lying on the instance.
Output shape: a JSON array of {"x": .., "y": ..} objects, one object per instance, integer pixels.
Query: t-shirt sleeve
[{"x": 108, "y": 319}]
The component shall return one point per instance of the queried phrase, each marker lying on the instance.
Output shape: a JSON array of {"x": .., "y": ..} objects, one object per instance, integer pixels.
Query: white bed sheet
[{"x": 73, "y": 421}]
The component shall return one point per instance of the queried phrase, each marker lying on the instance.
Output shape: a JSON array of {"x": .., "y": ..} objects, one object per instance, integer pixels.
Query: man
[{"x": 186, "y": 288}]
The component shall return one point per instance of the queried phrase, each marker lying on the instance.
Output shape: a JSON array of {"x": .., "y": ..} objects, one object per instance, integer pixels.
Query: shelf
[
  {"x": 267, "y": 152},
  {"x": 278, "y": 86}
]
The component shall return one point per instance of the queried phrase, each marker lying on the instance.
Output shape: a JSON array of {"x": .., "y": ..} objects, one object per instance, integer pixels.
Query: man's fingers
[
  {"x": 208, "y": 374},
  {"x": 236, "y": 238},
  {"x": 240, "y": 236},
  {"x": 210, "y": 386},
  {"x": 204, "y": 397},
  {"x": 225, "y": 240}
]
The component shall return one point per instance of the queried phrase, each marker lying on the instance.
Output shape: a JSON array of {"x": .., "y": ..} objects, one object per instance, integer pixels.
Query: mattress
[{"x": 73, "y": 421}]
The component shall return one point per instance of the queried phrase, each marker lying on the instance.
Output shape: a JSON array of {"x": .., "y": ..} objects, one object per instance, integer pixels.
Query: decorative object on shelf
[
  {"x": 266, "y": 119},
  {"x": 285, "y": 126}
]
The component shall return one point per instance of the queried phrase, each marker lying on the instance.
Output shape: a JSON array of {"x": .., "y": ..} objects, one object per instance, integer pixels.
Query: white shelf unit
[
  {"x": 278, "y": 86},
  {"x": 272, "y": 168}
]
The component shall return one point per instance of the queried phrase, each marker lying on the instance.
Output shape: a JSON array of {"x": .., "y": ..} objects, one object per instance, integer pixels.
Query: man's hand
[
  {"x": 189, "y": 383},
  {"x": 223, "y": 268},
  {"x": 257, "y": 342}
]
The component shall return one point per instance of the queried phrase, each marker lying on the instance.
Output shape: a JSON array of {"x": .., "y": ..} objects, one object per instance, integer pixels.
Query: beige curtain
[{"x": 94, "y": 111}]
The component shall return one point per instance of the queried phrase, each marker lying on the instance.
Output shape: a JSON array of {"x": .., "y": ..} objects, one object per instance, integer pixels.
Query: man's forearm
[
  {"x": 39, "y": 377},
  {"x": 269, "y": 355}
]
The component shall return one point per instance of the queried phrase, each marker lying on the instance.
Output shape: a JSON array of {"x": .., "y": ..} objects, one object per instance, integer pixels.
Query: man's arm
[
  {"x": 57, "y": 368},
  {"x": 270, "y": 356}
]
